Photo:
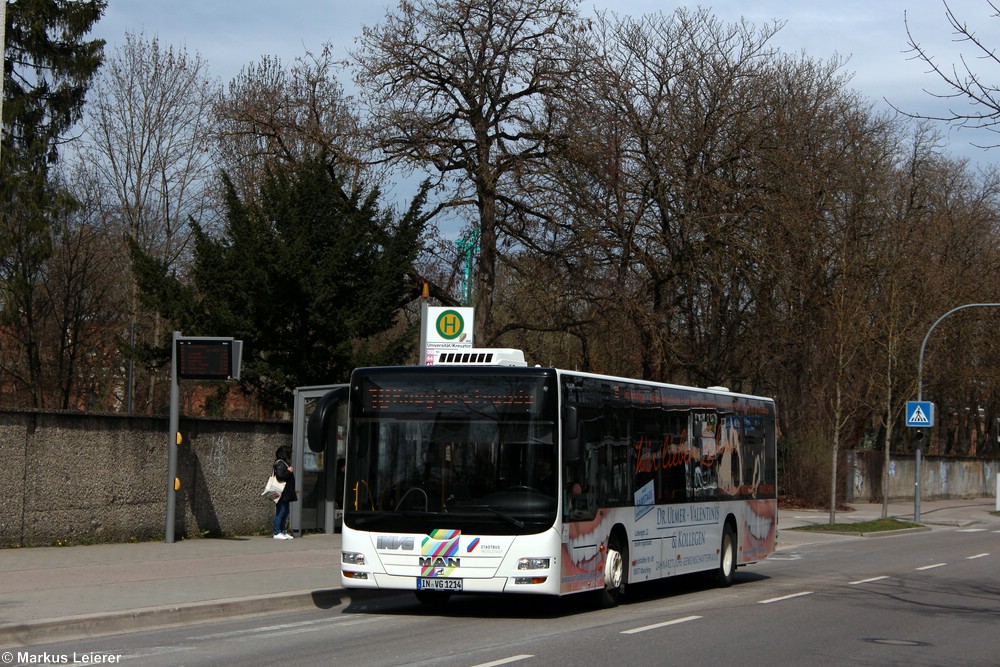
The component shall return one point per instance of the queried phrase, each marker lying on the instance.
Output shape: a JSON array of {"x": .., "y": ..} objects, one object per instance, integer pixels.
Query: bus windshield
[{"x": 476, "y": 451}]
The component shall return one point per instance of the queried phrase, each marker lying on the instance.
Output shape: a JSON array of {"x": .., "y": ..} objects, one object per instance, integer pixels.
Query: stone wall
[
  {"x": 941, "y": 478},
  {"x": 85, "y": 478}
]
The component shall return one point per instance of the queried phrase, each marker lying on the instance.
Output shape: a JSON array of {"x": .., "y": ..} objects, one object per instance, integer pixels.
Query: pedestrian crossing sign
[{"x": 919, "y": 414}]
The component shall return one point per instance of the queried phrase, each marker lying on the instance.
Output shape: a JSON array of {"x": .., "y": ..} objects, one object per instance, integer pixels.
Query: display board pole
[{"x": 172, "y": 444}]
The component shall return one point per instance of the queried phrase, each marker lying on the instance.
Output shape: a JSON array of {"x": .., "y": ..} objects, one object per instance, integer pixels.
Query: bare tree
[
  {"x": 458, "y": 87},
  {"x": 87, "y": 308},
  {"x": 900, "y": 284},
  {"x": 728, "y": 199},
  {"x": 149, "y": 133},
  {"x": 270, "y": 112},
  {"x": 149, "y": 146},
  {"x": 655, "y": 183},
  {"x": 963, "y": 81},
  {"x": 960, "y": 261}
]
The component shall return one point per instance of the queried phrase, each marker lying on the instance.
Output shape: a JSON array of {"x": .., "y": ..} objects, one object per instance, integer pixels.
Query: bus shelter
[{"x": 317, "y": 474}]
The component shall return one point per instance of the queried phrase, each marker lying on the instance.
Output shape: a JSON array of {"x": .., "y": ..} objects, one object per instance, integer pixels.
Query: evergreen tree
[
  {"x": 47, "y": 69},
  {"x": 311, "y": 279}
]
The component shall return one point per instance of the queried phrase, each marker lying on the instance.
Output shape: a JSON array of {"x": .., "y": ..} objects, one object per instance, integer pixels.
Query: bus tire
[
  {"x": 727, "y": 558},
  {"x": 615, "y": 572}
]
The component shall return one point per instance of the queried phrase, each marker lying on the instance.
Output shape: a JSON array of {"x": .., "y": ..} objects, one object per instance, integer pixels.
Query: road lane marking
[
  {"x": 141, "y": 653},
  {"x": 505, "y": 661},
  {"x": 785, "y": 597},
  {"x": 273, "y": 629},
  {"x": 977, "y": 556},
  {"x": 868, "y": 581},
  {"x": 930, "y": 567},
  {"x": 317, "y": 628},
  {"x": 971, "y": 530},
  {"x": 644, "y": 628}
]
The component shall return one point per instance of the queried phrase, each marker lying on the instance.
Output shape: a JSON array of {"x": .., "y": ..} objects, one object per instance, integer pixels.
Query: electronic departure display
[{"x": 206, "y": 359}]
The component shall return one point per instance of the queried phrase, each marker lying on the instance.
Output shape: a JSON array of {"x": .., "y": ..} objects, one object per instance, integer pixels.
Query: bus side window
[{"x": 579, "y": 489}]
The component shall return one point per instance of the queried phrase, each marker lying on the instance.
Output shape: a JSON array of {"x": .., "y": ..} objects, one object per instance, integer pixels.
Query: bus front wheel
[
  {"x": 615, "y": 572},
  {"x": 727, "y": 557}
]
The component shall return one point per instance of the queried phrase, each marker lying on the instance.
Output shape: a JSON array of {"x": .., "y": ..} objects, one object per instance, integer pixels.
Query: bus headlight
[
  {"x": 534, "y": 563},
  {"x": 352, "y": 558}
]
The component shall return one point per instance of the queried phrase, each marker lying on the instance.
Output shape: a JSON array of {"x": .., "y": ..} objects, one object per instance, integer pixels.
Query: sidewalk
[
  {"x": 62, "y": 593},
  {"x": 956, "y": 513}
]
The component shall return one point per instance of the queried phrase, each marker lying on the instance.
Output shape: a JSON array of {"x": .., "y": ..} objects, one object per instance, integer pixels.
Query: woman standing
[{"x": 284, "y": 472}]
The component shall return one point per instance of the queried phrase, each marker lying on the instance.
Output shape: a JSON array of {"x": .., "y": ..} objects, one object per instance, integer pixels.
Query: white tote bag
[{"x": 273, "y": 488}]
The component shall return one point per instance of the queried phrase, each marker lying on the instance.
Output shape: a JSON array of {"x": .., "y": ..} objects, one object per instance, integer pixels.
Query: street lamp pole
[
  {"x": 923, "y": 345},
  {"x": 920, "y": 394}
]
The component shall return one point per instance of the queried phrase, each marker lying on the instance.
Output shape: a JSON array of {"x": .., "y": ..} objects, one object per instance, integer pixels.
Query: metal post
[
  {"x": 172, "y": 444},
  {"x": 298, "y": 457},
  {"x": 916, "y": 490},
  {"x": 424, "y": 297}
]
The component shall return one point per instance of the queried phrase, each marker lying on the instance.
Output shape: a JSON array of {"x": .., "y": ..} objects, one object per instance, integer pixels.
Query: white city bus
[{"x": 479, "y": 474}]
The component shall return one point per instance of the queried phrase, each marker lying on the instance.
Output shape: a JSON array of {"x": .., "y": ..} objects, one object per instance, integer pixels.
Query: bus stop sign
[{"x": 919, "y": 414}]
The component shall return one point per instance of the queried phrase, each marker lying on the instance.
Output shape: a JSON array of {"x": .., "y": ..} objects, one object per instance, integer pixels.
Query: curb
[
  {"x": 955, "y": 523},
  {"x": 901, "y": 531},
  {"x": 875, "y": 533},
  {"x": 118, "y": 622}
]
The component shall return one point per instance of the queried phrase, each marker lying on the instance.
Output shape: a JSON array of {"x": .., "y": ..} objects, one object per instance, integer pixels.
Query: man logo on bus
[{"x": 450, "y": 324}]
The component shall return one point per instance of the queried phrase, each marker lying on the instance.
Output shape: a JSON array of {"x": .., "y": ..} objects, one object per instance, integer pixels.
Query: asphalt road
[{"x": 929, "y": 598}]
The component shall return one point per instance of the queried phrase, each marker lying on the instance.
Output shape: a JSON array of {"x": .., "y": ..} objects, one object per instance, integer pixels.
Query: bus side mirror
[
  {"x": 572, "y": 450},
  {"x": 322, "y": 424}
]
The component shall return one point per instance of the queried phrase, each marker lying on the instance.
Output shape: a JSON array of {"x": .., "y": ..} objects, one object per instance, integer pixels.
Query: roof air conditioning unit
[{"x": 480, "y": 357}]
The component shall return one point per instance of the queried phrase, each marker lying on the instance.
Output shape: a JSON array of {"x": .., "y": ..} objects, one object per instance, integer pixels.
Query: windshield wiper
[{"x": 506, "y": 517}]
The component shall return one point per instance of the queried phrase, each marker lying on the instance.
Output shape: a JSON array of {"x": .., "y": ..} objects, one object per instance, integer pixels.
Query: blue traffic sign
[{"x": 919, "y": 414}]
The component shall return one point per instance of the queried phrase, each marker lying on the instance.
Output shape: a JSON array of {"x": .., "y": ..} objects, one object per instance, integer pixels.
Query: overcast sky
[{"x": 229, "y": 34}]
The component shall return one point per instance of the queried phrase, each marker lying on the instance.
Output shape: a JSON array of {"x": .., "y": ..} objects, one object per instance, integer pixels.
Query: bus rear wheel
[
  {"x": 727, "y": 557},
  {"x": 615, "y": 573}
]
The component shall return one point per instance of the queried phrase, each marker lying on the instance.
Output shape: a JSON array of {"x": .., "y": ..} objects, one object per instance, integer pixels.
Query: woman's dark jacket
[{"x": 283, "y": 474}]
